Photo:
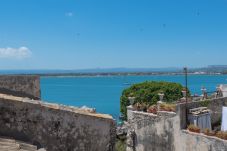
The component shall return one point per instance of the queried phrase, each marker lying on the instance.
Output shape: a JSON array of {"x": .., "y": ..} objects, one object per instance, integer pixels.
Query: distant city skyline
[{"x": 88, "y": 34}]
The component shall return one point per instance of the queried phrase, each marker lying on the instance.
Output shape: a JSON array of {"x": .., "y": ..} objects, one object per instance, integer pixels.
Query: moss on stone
[{"x": 120, "y": 145}]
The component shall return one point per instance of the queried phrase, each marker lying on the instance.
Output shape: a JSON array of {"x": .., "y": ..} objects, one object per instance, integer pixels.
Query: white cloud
[
  {"x": 69, "y": 14},
  {"x": 19, "y": 53}
]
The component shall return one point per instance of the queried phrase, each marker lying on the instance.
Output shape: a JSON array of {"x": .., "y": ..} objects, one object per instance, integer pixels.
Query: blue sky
[{"x": 78, "y": 34}]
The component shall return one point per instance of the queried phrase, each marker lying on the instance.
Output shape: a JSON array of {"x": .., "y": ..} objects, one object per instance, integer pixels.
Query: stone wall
[
  {"x": 24, "y": 86},
  {"x": 152, "y": 132},
  {"x": 200, "y": 142},
  {"x": 163, "y": 132},
  {"x": 215, "y": 105},
  {"x": 55, "y": 127}
]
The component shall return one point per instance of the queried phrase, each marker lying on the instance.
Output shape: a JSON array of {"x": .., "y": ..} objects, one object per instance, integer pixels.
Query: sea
[{"x": 103, "y": 92}]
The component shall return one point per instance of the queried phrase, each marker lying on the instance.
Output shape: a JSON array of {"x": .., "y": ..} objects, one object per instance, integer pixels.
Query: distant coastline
[
  {"x": 61, "y": 75},
  {"x": 209, "y": 70}
]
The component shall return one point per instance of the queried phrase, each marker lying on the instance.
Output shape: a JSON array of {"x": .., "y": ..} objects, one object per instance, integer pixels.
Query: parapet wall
[
  {"x": 24, "y": 86},
  {"x": 55, "y": 127},
  {"x": 152, "y": 132},
  {"x": 215, "y": 105},
  {"x": 200, "y": 142}
]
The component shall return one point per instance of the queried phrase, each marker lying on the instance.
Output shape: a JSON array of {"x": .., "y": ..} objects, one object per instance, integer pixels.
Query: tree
[{"x": 147, "y": 92}]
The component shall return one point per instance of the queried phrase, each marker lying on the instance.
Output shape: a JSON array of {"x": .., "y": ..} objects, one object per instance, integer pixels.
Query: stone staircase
[{"x": 7, "y": 144}]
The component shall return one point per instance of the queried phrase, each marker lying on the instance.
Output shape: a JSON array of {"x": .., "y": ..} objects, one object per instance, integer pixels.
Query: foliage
[
  {"x": 168, "y": 107},
  {"x": 205, "y": 103},
  {"x": 208, "y": 132},
  {"x": 222, "y": 135},
  {"x": 147, "y": 92},
  {"x": 120, "y": 145},
  {"x": 152, "y": 109},
  {"x": 193, "y": 128},
  {"x": 219, "y": 134},
  {"x": 140, "y": 107}
]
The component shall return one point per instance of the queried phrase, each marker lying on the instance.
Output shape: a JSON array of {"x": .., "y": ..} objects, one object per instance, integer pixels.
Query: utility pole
[
  {"x": 186, "y": 82},
  {"x": 186, "y": 85}
]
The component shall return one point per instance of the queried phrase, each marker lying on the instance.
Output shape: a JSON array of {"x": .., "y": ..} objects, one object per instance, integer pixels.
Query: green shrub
[
  {"x": 147, "y": 92},
  {"x": 120, "y": 145}
]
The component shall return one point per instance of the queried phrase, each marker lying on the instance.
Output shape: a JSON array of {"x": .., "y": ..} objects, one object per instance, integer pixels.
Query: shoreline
[{"x": 62, "y": 75}]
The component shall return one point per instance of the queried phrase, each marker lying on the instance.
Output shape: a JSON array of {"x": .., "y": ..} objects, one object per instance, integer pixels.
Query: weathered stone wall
[
  {"x": 153, "y": 132},
  {"x": 199, "y": 142},
  {"x": 55, "y": 127},
  {"x": 215, "y": 105},
  {"x": 24, "y": 86}
]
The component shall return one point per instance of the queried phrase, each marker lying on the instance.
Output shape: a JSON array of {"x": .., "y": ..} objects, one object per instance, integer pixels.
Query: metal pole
[{"x": 186, "y": 85}]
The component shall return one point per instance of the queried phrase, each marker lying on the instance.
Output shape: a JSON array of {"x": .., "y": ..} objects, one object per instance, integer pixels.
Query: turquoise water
[{"x": 103, "y": 93}]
